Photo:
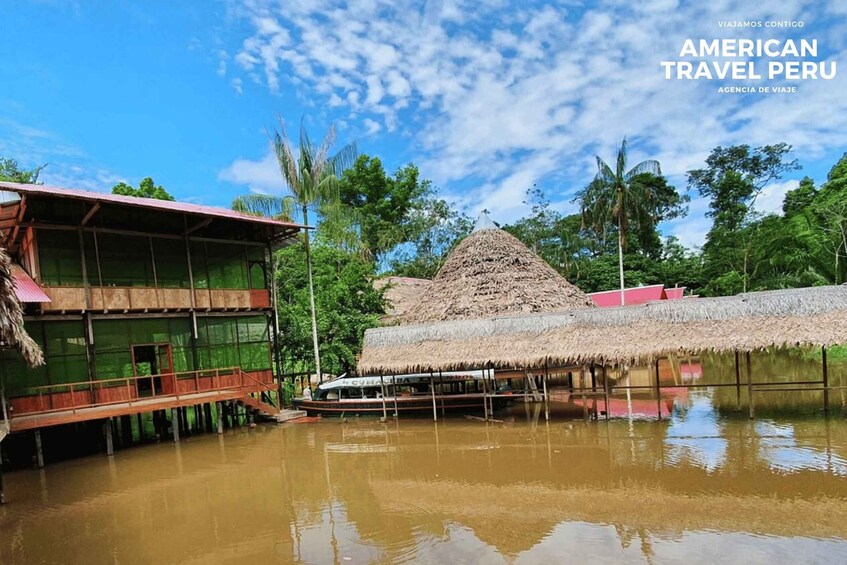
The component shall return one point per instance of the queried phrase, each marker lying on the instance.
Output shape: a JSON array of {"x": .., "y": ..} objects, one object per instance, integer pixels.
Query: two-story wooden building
[{"x": 139, "y": 305}]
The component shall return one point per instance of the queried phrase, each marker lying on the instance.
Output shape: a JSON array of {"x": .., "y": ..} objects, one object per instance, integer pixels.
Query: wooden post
[
  {"x": 39, "y": 454},
  {"x": 2, "y": 493},
  {"x": 582, "y": 380},
  {"x": 749, "y": 384},
  {"x": 382, "y": 390},
  {"x": 432, "y": 389},
  {"x": 485, "y": 393},
  {"x": 825, "y": 382},
  {"x": 107, "y": 428},
  {"x": 394, "y": 382},
  {"x": 606, "y": 390},
  {"x": 220, "y": 408},
  {"x": 441, "y": 384},
  {"x": 658, "y": 392},
  {"x": 546, "y": 398},
  {"x": 175, "y": 423},
  {"x": 737, "y": 382}
]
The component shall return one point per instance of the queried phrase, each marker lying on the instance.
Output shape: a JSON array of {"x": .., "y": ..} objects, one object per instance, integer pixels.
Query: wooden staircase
[{"x": 269, "y": 410}]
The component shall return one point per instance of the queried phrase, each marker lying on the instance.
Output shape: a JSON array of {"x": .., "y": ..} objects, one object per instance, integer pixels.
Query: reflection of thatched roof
[
  {"x": 747, "y": 322},
  {"x": 401, "y": 294},
  {"x": 12, "y": 331},
  {"x": 491, "y": 273}
]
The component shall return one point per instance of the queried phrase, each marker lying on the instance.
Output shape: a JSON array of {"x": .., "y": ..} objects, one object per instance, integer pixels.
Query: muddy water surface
[{"x": 705, "y": 485}]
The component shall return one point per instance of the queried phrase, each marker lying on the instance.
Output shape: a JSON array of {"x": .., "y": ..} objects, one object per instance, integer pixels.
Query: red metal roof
[
  {"x": 152, "y": 203},
  {"x": 25, "y": 288},
  {"x": 637, "y": 295}
]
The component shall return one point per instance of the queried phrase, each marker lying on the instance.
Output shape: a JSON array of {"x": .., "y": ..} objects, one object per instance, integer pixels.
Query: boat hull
[{"x": 463, "y": 403}]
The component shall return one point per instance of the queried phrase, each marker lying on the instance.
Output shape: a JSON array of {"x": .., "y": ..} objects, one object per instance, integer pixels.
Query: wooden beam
[
  {"x": 198, "y": 226},
  {"x": 90, "y": 214},
  {"x": 10, "y": 241}
]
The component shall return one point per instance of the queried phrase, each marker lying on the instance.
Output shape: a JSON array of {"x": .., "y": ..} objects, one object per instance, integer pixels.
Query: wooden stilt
[
  {"x": 737, "y": 382},
  {"x": 220, "y": 409},
  {"x": 2, "y": 492},
  {"x": 394, "y": 383},
  {"x": 582, "y": 380},
  {"x": 39, "y": 454},
  {"x": 140, "y": 428},
  {"x": 546, "y": 397},
  {"x": 749, "y": 385},
  {"x": 658, "y": 392},
  {"x": 432, "y": 390},
  {"x": 209, "y": 423},
  {"x": 825, "y": 381},
  {"x": 382, "y": 390},
  {"x": 441, "y": 385},
  {"x": 175, "y": 423},
  {"x": 606, "y": 390},
  {"x": 107, "y": 428},
  {"x": 126, "y": 431}
]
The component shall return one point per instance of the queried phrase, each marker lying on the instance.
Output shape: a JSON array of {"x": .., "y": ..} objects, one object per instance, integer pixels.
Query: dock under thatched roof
[
  {"x": 628, "y": 334},
  {"x": 491, "y": 273},
  {"x": 12, "y": 333}
]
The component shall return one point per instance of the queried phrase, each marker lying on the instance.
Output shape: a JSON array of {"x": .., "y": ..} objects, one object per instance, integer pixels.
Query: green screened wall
[
  {"x": 63, "y": 344},
  {"x": 222, "y": 342},
  {"x": 143, "y": 261}
]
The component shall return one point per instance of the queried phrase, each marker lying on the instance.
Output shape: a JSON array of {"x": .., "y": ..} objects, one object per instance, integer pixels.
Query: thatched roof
[
  {"x": 491, "y": 273},
  {"x": 401, "y": 294},
  {"x": 12, "y": 333},
  {"x": 626, "y": 334}
]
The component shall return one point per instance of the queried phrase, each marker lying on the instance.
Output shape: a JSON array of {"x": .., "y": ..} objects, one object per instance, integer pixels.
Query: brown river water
[{"x": 705, "y": 484}]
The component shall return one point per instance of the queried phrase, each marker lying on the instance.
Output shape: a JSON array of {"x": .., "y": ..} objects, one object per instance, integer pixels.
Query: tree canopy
[{"x": 146, "y": 189}]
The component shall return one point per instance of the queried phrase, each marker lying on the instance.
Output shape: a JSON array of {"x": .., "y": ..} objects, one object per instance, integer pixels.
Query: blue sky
[{"x": 487, "y": 98}]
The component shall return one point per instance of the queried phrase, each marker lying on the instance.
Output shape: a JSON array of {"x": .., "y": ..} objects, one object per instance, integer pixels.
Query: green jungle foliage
[{"x": 146, "y": 189}]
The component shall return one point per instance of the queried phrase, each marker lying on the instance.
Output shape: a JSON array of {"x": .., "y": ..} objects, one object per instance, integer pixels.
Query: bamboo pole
[
  {"x": 825, "y": 382},
  {"x": 394, "y": 382},
  {"x": 582, "y": 391},
  {"x": 658, "y": 392},
  {"x": 432, "y": 389},
  {"x": 606, "y": 391},
  {"x": 441, "y": 384},
  {"x": 485, "y": 394},
  {"x": 737, "y": 382},
  {"x": 382, "y": 390},
  {"x": 546, "y": 396},
  {"x": 749, "y": 385}
]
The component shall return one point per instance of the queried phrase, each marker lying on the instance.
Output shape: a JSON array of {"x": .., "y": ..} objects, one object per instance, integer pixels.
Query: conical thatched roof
[
  {"x": 12, "y": 333},
  {"x": 491, "y": 273},
  {"x": 401, "y": 293}
]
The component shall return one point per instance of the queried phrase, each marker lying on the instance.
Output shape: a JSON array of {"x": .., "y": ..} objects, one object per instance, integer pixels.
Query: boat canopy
[{"x": 411, "y": 378}]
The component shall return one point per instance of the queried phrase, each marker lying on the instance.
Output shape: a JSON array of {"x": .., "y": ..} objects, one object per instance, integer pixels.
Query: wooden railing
[{"x": 70, "y": 397}]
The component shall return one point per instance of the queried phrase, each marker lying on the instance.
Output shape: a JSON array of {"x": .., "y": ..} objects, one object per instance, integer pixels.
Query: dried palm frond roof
[
  {"x": 401, "y": 293},
  {"x": 491, "y": 273},
  {"x": 626, "y": 334},
  {"x": 12, "y": 333}
]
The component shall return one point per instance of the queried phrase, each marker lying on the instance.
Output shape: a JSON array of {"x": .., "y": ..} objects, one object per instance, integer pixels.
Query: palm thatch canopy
[
  {"x": 626, "y": 334},
  {"x": 491, "y": 273},
  {"x": 401, "y": 293},
  {"x": 12, "y": 333}
]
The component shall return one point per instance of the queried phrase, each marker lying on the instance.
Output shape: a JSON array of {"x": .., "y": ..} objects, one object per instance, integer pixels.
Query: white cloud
[
  {"x": 770, "y": 199},
  {"x": 262, "y": 176},
  {"x": 495, "y": 97}
]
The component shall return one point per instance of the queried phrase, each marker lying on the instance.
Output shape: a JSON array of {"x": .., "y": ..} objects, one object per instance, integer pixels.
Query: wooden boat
[{"x": 461, "y": 392}]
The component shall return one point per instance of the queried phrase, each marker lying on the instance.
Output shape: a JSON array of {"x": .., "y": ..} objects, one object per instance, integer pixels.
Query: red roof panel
[
  {"x": 183, "y": 207},
  {"x": 25, "y": 288}
]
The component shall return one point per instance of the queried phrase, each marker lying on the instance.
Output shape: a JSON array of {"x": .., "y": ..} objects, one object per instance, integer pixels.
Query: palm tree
[
  {"x": 613, "y": 195},
  {"x": 312, "y": 177}
]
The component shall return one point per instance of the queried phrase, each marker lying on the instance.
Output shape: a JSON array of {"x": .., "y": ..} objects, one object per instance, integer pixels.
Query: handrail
[{"x": 88, "y": 394}]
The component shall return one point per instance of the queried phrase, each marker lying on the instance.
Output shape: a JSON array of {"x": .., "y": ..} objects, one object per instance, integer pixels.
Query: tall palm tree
[
  {"x": 312, "y": 177},
  {"x": 613, "y": 195}
]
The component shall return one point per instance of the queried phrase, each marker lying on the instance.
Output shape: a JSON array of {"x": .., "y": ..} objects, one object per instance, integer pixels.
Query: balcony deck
[
  {"x": 145, "y": 299},
  {"x": 77, "y": 402}
]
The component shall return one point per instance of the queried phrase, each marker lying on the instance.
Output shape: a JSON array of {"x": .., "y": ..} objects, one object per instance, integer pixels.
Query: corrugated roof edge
[{"x": 181, "y": 207}]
